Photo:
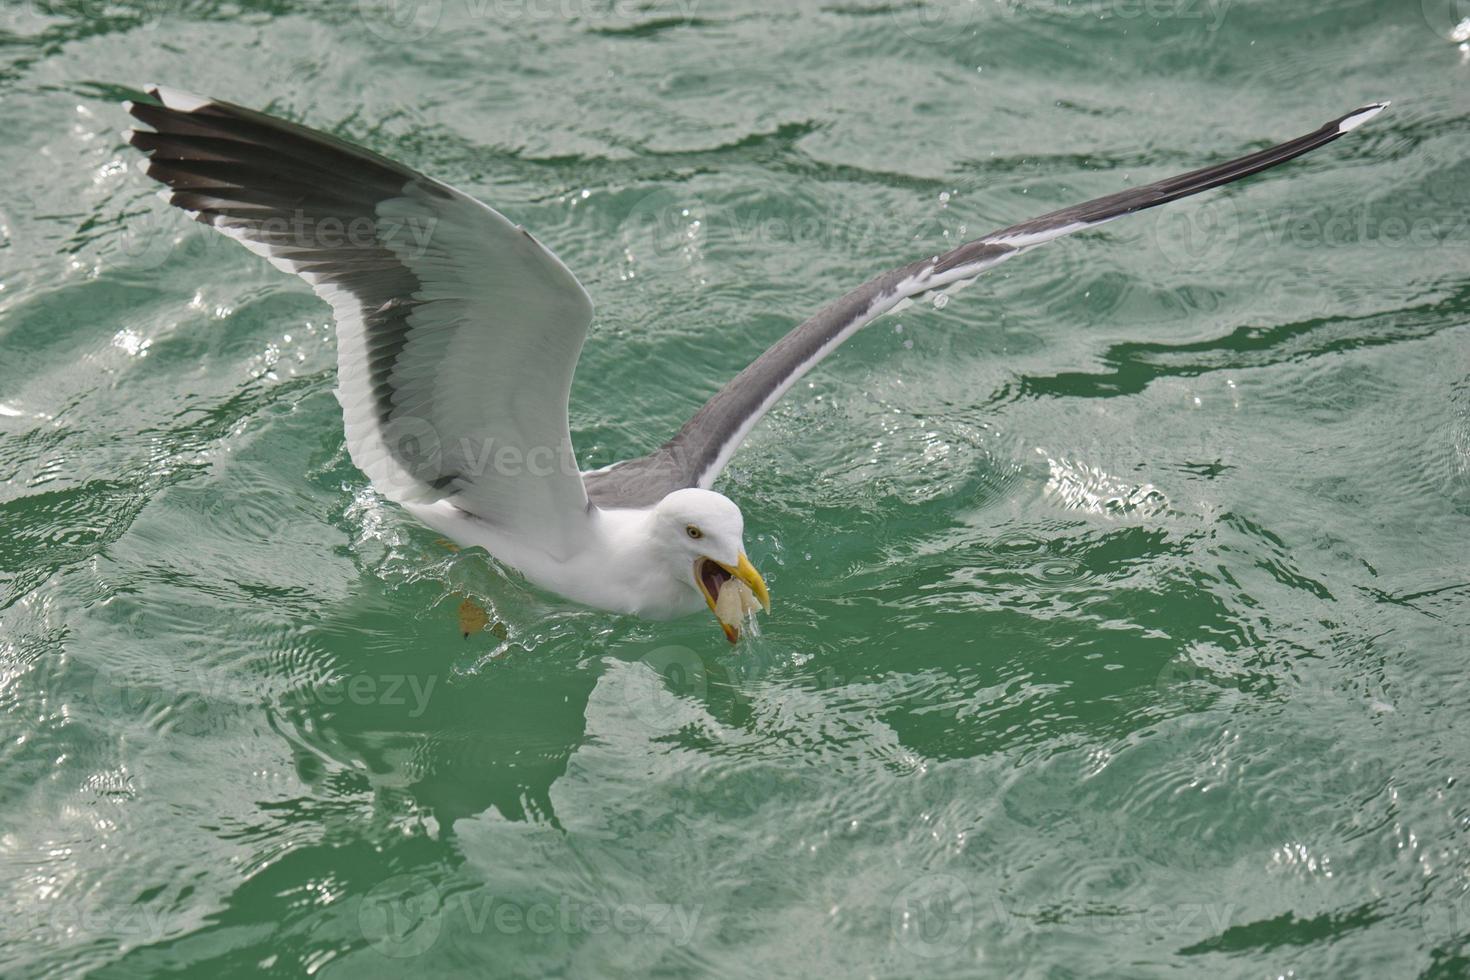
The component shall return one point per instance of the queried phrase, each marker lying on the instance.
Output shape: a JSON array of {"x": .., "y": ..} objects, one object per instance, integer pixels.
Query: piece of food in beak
[
  {"x": 735, "y": 601},
  {"x": 732, "y": 593}
]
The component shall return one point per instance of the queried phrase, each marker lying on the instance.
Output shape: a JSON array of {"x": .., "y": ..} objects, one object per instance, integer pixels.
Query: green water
[{"x": 1120, "y": 605}]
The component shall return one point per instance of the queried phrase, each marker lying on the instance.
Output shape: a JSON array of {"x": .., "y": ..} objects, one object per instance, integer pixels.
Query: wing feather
[
  {"x": 458, "y": 332},
  {"x": 697, "y": 454}
]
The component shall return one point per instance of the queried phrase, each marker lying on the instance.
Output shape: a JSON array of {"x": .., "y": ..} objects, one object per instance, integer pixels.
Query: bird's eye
[{"x": 693, "y": 531}]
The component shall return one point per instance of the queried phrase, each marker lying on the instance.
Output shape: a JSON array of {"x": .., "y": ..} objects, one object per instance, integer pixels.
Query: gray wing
[
  {"x": 697, "y": 454},
  {"x": 457, "y": 332}
]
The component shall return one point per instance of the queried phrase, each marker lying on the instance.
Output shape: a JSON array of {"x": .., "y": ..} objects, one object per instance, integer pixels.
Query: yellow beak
[{"x": 744, "y": 572}]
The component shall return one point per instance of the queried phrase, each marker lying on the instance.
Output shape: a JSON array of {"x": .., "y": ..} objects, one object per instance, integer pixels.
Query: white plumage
[{"x": 458, "y": 334}]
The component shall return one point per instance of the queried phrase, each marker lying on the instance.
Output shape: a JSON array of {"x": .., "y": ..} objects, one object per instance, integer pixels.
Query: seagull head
[{"x": 703, "y": 531}]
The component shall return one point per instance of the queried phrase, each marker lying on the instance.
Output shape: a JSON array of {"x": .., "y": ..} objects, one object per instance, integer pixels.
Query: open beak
[{"x": 712, "y": 576}]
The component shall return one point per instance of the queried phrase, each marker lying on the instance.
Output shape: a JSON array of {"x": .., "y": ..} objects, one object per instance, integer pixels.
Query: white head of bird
[{"x": 704, "y": 531}]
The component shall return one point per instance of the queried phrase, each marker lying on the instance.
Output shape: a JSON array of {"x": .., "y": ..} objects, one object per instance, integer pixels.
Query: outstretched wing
[
  {"x": 700, "y": 450},
  {"x": 457, "y": 331}
]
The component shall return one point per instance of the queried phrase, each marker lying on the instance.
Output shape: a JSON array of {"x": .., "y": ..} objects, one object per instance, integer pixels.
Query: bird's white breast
[{"x": 617, "y": 568}]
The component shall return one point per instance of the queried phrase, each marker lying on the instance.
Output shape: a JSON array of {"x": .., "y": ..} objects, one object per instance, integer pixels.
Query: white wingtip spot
[
  {"x": 176, "y": 100},
  {"x": 1361, "y": 116}
]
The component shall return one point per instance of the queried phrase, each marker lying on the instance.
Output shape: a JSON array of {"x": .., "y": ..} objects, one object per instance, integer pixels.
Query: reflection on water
[{"x": 1119, "y": 603}]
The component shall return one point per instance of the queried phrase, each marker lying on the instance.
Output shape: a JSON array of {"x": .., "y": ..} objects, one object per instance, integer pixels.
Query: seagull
[{"x": 458, "y": 333}]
